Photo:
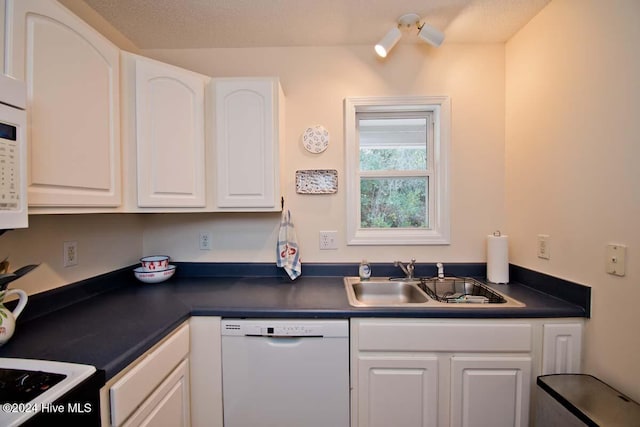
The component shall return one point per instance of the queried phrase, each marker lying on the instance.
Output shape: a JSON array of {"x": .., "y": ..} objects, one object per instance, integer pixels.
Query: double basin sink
[{"x": 447, "y": 292}]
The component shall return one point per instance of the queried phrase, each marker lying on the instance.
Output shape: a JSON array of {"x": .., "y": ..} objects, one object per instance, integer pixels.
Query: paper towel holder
[{"x": 497, "y": 258}]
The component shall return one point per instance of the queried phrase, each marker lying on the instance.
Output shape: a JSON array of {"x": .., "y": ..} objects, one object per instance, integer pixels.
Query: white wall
[
  {"x": 105, "y": 243},
  {"x": 572, "y": 152},
  {"x": 316, "y": 81}
]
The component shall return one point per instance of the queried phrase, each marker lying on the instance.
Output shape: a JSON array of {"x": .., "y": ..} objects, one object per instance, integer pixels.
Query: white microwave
[{"x": 13, "y": 154}]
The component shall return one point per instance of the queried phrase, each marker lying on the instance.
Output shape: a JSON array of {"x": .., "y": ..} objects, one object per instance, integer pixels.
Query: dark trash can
[{"x": 573, "y": 400}]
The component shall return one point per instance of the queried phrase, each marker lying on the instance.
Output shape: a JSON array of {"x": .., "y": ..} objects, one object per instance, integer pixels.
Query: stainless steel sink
[
  {"x": 447, "y": 292},
  {"x": 456, "y": 290},
  {"x": 387, "y": 293}
]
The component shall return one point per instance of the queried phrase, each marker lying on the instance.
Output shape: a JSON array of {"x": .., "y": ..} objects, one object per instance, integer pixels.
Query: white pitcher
[{"x": 7, "y": 317}]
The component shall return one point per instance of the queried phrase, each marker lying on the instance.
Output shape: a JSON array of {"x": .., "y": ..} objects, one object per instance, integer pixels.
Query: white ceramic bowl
[
  {"x": 156, "y": 276},
  {"x": 155, "y": 262}
]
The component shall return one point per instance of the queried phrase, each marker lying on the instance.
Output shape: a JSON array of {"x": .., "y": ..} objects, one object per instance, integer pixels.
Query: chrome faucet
[
  {"x": 440, "y": 270},
  {"x": 408, "y": 270}
]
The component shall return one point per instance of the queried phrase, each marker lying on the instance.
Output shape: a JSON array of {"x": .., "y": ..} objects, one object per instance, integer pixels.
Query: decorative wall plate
[
  {"x": 315, "y": 139},
  {"x": 317, "y": 181}
]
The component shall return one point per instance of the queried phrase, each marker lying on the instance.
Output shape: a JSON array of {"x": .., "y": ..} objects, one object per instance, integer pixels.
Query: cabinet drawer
[
  {"x": 443, "y": 336},
  {"x": 168, "y": 405},
  {"x": 134, "y": 387}
]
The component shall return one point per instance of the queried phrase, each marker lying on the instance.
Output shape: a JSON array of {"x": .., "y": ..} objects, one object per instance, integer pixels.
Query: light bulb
[{"x": 388, "y": 42}]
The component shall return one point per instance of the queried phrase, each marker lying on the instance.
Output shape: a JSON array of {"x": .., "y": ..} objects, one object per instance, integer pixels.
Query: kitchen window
[{"x": 397, "y": 170}]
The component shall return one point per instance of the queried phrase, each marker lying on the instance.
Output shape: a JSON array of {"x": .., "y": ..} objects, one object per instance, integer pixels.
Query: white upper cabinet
[
  {"x": 72, "y": 76},
  {"x": 248, "y": 128},
  {"x": 163, "y": 122}
]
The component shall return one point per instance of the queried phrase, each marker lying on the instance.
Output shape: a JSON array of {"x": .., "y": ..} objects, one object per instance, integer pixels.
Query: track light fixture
[
  {"x": 388, "y": 42},
  {"x": 426, "y": 33},
  {"x": 431, "y": 35}
]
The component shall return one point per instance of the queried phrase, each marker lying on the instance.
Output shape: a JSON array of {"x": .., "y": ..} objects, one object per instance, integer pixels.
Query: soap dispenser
[{"x": 364, "y": 270}]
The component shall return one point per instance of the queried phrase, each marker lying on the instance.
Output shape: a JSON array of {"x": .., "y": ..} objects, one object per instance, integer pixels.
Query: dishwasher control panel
[
  {"x": 284, "y": 331},
  {"x": 284, "y": 328}
]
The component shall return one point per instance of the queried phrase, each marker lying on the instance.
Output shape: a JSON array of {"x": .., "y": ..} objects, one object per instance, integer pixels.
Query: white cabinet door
[
  {"x": 248, "y": 115},
  {"x": 561, "y": 348},
  {"x": 205, "y": 357},
  {"x": 169, "y": 111},
  {"x": 168, "y": 406},
  {"x": 397, "y": 391},
  {"x": 490, "y": 391},
  {"x": 72, "y": 75}
]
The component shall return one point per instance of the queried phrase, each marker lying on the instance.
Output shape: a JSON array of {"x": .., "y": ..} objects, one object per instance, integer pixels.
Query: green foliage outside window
[
  {"x": 376, "y": 159},
  {"x": 393, "y": 202}
]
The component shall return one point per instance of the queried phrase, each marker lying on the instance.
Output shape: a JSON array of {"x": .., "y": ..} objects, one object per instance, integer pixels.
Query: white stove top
[{"x": 14, "y": 414}]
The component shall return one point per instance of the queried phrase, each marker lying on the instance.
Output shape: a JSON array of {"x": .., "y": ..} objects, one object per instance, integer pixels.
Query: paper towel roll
[{"x": 498, "y": 259}]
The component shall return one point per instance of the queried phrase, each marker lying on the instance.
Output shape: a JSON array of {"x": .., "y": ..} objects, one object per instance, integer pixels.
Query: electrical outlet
[
  {"x": 205, "y": 241},
  {"x": 70, "y": 254},
  {"x": 328, "y": 240},
  {"x": 544, "y": 246}
]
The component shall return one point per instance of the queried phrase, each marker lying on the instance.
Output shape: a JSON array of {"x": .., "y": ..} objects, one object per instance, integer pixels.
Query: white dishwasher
[{"x": 285, "y": 373}]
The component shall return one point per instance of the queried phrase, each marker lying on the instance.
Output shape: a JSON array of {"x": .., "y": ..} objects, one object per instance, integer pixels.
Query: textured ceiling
[{"x": 152, "y": 24}]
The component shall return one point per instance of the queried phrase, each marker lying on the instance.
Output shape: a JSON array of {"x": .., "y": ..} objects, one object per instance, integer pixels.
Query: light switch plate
[{"x": 616, "y": 259}]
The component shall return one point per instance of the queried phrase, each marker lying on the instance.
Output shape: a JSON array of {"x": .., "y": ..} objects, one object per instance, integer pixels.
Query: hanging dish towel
[{"x": 288, "y": 256}]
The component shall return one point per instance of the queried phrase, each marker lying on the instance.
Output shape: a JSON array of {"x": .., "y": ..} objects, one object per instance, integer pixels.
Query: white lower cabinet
[
  {"x": 154, "y": 390},
  {"x": 404, "y": 373},
  {"x": 490, "y": 391},
  {"x": 399, "y": 391},
  {"x": 467, "y": 372},
  {"x": 168, "y": 405},
  {"x": 562, "y": 347},
  {"x": 206, "y": 371},
  {"x": 177, "y": 383}
]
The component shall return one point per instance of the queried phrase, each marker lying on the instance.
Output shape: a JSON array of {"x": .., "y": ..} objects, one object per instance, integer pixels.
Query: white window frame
[{"x": 438, "y": 232}]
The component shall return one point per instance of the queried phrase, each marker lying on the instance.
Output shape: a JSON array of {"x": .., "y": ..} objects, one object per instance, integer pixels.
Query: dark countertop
[{"x": 112, "y": 328}]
